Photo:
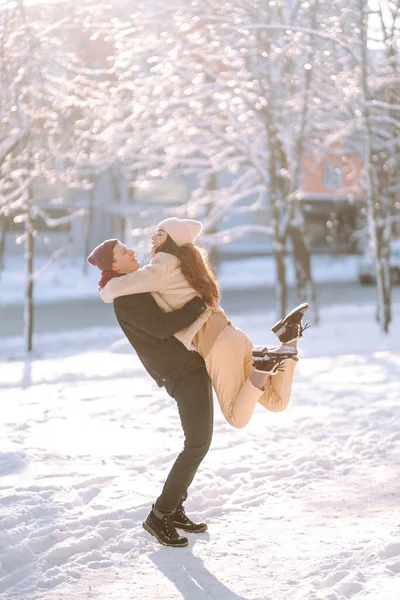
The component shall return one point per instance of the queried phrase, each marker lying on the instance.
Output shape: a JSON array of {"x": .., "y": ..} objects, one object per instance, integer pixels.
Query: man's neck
[{"x": 106, "y": 276}]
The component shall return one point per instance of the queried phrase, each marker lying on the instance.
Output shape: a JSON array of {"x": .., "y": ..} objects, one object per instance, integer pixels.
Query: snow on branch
[
  {"x": 52, "y": 259},
  {"x": 313, "y": 32},
  {"x": 8, "y": 202},
  {"x": 380, "y": 104},
  {"x": 234, "y": 233},
  {"x": 55, "y": 222},
  {"x": 8, "y": 145}
]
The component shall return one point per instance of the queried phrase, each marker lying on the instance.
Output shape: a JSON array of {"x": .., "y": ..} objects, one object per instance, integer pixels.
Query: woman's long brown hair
[{"x": 195, "y": 268}]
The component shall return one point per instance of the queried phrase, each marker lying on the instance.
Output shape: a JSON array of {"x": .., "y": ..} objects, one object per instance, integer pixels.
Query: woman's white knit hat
[{"x": 182, "y": 231}]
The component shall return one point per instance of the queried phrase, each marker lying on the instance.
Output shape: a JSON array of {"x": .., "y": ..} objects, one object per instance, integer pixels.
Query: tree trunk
[
  {"x": 296, "y": 230},
  {"x": 387, "y": 162},
  {"x": 120, "y": 219},
  {"x": 278, "y": 206},
  {"x": 89, "y": 227},
  {"x": 29, "y": 261},
  {"x": 273, "y": 185},
  {"x": 281, "y": 287},
  {"x": 3, "y": 231},
  {"x": 213, "y": 253},
  {"x": 374, "y": 207},
  {"x": 302, "y": 264},
  {"x": 383, "y": 235}
]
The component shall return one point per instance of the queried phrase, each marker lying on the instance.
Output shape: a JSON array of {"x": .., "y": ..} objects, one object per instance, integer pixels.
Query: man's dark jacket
[{"x": 150, "y": 331}]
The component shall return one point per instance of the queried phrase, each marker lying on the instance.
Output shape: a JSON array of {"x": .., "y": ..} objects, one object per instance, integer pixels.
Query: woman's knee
[
  {"x": 237, "y": 423},
  {"x": 277, "y": 407}
]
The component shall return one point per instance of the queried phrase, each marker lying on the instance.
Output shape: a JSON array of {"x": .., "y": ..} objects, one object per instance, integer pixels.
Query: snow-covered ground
[
  {"x": 53, "y": 281},
  {"x": 302, "y": 505}
]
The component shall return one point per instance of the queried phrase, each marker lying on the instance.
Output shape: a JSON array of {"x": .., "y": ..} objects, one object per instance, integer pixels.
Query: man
[{"x": 181, "y": 372}]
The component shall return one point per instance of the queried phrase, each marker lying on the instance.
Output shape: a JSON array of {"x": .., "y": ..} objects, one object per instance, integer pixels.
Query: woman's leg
[
  {"x": 278, "y": 388},
  {"x": 230, "y": 365}
]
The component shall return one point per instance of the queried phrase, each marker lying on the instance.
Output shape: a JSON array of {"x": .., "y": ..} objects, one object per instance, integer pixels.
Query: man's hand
[{"x": 213, "y": 306}]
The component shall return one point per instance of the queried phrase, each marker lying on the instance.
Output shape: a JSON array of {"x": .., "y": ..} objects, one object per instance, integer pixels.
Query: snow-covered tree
[
  {"x": 241, "y": 91},
  {"x": 371, "y": 88},
  {"x": 223, "y": 90},
  {"x": 40, "y": 89},
  {"x": 380, "y": 93},
  {"x": 28, "y": 124}
]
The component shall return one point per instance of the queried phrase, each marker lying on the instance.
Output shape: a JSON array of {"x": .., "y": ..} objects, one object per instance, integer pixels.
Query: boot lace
[
  {"x": 306, "y": 326},
  {"x": 277, "y": 368},
  {"x": 181, "y": 515},
  {"x": 169, "y": 527},
  {"x": 272, "y": 366}
]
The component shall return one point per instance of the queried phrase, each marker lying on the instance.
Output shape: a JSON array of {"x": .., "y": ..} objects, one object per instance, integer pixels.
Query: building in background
[
  {"x": 332, "y": 200},
  {"x": 331, "y": 197}
]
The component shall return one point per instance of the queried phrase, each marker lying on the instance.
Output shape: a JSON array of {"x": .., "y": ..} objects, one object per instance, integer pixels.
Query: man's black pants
[{"x": 193, "y": 395}]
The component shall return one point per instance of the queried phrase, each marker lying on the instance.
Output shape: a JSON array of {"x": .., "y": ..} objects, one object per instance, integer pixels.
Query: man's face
[
  {"x": 124, "y": 259},
  {"x": 157, "y": 239}
]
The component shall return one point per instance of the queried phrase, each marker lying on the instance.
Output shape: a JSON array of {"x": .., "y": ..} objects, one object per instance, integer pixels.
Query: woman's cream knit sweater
[{"x": 168, "y": 286}]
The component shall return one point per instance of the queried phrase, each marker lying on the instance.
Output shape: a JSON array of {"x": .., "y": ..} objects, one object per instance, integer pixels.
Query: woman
[{"x": 241, "y": 375}]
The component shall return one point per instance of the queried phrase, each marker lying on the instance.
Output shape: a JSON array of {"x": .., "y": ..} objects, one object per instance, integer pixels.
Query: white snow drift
[{"x": 302, "y": 505}]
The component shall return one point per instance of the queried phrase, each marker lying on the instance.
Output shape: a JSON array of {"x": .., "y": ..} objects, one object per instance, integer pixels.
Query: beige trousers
[{"x": 230, "y": 364}]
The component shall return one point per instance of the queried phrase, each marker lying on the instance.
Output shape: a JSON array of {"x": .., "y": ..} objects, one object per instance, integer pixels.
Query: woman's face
[{"x": 157, "y": 239}]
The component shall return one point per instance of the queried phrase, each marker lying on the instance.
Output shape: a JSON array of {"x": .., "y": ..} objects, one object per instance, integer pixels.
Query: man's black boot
[
  {"x": 182, "y": 521},
  {"x": 290, "y": 328},
  {"x": 163, "y": 528}
]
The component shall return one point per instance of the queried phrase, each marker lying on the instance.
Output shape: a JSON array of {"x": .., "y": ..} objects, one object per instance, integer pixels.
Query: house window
[{"x": 333, "y": 176}]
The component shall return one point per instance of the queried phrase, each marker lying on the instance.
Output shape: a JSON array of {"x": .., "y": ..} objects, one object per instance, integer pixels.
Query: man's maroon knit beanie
[{"x": 102, "y": 256}]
